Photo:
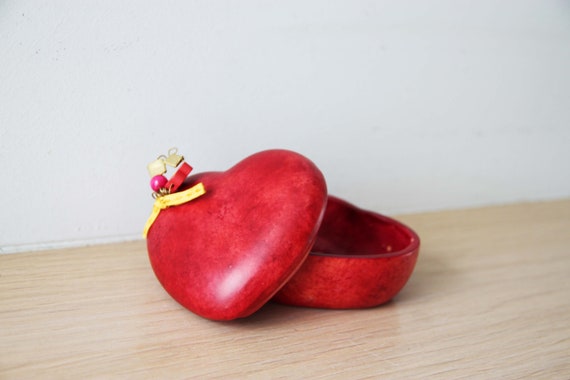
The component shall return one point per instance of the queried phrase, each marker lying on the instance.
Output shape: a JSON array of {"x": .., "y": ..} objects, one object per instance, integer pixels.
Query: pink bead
[{"x": 158, "y": 182}]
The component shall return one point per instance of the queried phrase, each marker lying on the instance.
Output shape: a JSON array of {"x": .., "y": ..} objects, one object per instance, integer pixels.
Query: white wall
[{"x": 404, "y": 105}]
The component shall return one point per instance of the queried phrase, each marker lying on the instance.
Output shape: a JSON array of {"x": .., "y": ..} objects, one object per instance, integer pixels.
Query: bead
[{"x": 158, "y": 182}]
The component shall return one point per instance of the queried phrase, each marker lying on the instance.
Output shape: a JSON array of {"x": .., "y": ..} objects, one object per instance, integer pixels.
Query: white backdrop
[{"x": 404, "y": 105}]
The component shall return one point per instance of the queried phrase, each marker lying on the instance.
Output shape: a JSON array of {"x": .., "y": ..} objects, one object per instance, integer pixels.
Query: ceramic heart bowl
[{"x": 359, "y": 259}]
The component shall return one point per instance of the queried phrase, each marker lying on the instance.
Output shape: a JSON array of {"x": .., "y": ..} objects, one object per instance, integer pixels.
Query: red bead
[{"x": 158, "y": 182}]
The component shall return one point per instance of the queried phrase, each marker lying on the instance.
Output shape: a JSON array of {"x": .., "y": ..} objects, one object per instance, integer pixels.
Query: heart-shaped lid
[{"x": 225, "y": 253}]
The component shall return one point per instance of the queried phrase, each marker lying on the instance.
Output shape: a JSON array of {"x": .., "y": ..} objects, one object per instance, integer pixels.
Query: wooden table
[{"x": 490, "y": 298}]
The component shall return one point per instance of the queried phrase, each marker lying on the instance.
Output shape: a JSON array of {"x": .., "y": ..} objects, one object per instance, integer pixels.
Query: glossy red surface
[
  {"x": 360, "y": 259},
  {"x": 224, "y": 254}
]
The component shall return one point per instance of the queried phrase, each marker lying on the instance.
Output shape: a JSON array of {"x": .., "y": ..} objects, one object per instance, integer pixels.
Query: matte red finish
[
  {"x": 360, "y": 259},
  {"x": 226, "y": 253}
]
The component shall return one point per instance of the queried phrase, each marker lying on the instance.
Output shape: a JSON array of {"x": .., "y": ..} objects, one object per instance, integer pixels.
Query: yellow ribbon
[{"x": 173, "y": 199}]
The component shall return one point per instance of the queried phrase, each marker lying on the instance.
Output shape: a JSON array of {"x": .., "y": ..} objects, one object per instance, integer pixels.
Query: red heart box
[{"x": 225, "y": 254}]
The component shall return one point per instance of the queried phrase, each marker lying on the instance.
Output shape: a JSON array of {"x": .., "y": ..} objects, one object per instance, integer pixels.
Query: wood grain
[{"x": 490, "y": 298}]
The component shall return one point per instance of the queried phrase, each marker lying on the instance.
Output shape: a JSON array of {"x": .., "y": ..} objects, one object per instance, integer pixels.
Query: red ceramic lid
[{"x": 226, "y": 253}]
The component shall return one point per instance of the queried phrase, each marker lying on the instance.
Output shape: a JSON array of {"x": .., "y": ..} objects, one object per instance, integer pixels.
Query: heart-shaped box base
[{"x": 360, "y": 259}]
